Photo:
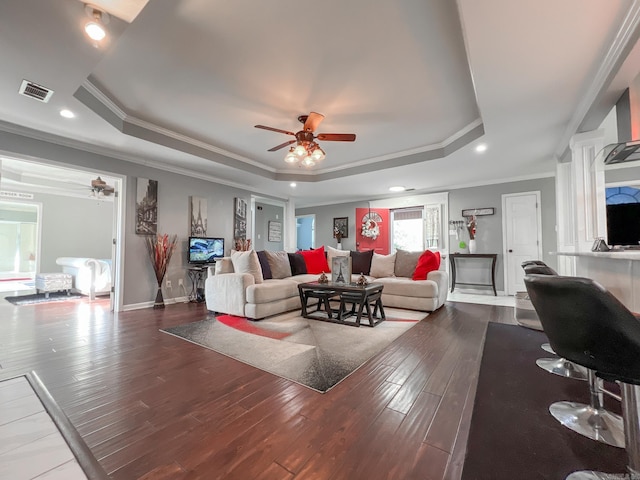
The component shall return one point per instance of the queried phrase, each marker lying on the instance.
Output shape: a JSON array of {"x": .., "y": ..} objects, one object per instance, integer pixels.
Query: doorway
[
  {"x": 19, "y": 244},
  {"x": 522, "y": 236},
  {"x": 306, "y": 232}
]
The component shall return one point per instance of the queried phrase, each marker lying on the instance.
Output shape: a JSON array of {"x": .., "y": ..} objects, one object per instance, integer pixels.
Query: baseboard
[
  {"x": 140, "y": 306},
  {"x": 479, "y": 291}
]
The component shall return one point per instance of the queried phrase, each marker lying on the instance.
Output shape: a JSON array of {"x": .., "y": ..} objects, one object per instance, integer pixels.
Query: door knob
[{"x": 510, "y": 251}]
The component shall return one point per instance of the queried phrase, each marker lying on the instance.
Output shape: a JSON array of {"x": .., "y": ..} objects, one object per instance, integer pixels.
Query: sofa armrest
[
  {"x": 226, "y": 292},
  {"x": 441, "y": 278}
]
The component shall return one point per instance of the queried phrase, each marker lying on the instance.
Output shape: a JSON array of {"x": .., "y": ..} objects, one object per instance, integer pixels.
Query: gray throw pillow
[
  {"x": 406, "y": 263},
  {"x": 382, "y": 265},
  {"x": 279, "y": 263}
]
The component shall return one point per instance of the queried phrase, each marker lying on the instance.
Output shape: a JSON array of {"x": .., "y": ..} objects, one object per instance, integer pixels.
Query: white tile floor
[
  {"x": 31, "y": 446},
  {"x": 482, "y": 298}
]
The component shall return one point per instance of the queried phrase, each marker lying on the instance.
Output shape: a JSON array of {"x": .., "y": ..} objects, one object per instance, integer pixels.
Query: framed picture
[
  {"x": 275, "y": 231},
  {"x": 341, "y": 269},
  {"x": 198, "y": 216},
  {"x": 146, "y": 206},
  {"x": 470, "y": 212},
  {"x": 341, "y": 224},
  {"x": 240, "y": 219}
]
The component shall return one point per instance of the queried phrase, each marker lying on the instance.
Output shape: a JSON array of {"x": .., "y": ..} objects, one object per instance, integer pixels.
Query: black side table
[
  {"x": 196, "y": 275},
  {"x": 461, "y": 256}
]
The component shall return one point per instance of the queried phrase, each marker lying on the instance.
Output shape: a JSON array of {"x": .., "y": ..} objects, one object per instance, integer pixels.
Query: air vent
[{"x": 33, "y": 90}]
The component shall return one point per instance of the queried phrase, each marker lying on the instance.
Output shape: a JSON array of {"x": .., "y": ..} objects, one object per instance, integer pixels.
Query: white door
[{"x": 522, "y": 236}]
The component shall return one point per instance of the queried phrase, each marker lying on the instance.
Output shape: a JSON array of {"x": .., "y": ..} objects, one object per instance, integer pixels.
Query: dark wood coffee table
[{"x": 361, "y": 298}]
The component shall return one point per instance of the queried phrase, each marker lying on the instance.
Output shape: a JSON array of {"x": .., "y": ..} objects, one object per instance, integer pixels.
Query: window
[{"x": 415, "y": 228}]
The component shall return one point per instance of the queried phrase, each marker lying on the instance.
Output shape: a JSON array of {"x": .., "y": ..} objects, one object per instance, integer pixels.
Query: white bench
[{"x": 53, "y": 282}]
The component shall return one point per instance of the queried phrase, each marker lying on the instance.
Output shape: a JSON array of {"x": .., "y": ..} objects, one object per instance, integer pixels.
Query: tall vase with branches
[{"x": 160, "y": 248}]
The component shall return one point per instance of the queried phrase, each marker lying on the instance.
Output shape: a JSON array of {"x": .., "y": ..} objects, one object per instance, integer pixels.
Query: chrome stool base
[
  {"x": 562, "y": 367},
  {"x": 590, "y": 475},
  {"x": 547, "y": 348},
  {"x": 600, "y": 425}
]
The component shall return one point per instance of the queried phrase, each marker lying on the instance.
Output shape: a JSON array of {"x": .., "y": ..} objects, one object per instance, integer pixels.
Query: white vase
[
  {"x": 472, "y": 245},
  {"x": 339, "y": 246}
]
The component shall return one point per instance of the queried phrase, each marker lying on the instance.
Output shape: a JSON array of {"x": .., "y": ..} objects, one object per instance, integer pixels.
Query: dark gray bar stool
[
  {"x": 588, "y": 326},
  {"x": 558, "y": 366}
]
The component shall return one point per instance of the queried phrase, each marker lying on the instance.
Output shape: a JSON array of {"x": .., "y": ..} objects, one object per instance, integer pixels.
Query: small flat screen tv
[
  {"x": 623, "y": 224},
  {"x": 203, "y": 250}
]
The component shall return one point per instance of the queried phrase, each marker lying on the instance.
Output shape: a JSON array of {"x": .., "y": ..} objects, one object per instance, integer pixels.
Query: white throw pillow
[
  {"x": 383, "y": 265},
  {"x": 334, "y": 252},
  {"x": 247, "y": 262}
]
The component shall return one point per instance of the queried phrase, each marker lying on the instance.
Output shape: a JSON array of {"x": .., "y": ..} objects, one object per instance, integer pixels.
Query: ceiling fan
[
  {"x": 307, "y": 151},
  {"x": 99, "y": 188}
]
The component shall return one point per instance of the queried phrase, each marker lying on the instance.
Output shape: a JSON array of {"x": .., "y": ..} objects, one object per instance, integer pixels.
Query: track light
[{"x": 94, "y": 28}]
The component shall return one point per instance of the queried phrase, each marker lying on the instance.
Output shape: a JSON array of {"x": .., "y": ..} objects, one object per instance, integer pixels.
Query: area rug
[
  {"x": 310, "y": 352},
  {"x": 41, "y": 298},
  {"x": 512, "y": 434}
]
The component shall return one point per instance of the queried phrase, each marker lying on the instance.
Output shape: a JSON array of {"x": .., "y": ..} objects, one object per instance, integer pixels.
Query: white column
[
  {"x": 290, "y": 231},
  {"x": 587, "y": 179}
]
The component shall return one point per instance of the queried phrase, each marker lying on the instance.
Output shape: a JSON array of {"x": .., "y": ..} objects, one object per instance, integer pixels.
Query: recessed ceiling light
[
  {"x": 397, "y": 189},
  {"x": 293, "y": 184},
  {"x": 481, "y": 148},
  {"x": 67, "y": 113}
]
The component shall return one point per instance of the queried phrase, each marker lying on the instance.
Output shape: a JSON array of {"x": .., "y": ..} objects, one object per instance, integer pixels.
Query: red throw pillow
[
  {"x": 428, "y": 262},
  {"x": 315, "y": 260}
]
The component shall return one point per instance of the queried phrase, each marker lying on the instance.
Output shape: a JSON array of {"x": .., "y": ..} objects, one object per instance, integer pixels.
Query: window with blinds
[{"x": 415, "y": 228}]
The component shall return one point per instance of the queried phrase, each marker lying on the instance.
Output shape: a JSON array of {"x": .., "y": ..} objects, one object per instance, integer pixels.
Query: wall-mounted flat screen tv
[
  {"x": 623, "y": 216},
  {"x": 204, "y": 250}
]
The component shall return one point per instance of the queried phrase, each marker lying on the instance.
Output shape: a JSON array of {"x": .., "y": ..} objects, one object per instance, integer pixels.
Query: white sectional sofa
[{"x": 238, "y": 293}]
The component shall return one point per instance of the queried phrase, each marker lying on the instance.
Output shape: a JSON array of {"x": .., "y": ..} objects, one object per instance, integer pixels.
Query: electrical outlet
[
  {"x": 180, "y": 282},
  {"x": 168, "y": 283}
]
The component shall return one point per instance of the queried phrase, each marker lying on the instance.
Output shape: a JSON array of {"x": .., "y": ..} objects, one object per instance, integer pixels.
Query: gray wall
[
  {"x": 489, "y": 236},
  {"x": 74, "y": 227},
  {"x": 266, "y": 213},
  {"x": 622, "y": 175},
  {"x": 139, "y": 284},
  {"x": 324, "y": 222},
  {"x": 489, "y": 230}
]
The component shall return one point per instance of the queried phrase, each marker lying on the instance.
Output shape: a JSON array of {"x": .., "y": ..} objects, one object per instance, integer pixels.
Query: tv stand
[{"x": 196, "y": 275}]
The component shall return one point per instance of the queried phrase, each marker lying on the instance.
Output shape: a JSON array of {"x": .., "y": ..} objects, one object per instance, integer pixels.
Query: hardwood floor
[{"x": 151, "y": 406}]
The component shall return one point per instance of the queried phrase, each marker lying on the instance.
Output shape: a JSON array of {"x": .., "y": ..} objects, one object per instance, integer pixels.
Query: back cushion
[
  {"x": 279, "y": 264},
  {"x": 406, "y": 263},
  {"x": 334, "y": 252},
  {"x": 315, "y": 260},
  {"x": 361, "y": 262},
  {"x": 428, "y": 262},
  {"x": 296, "y": 261},
  {"x": 382, "y": 265},
  {"x": 264, "y": 264},
  {"x": 247, "y": 262}
]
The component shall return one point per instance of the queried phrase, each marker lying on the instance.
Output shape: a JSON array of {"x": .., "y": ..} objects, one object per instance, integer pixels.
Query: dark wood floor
[{"x": 152, "y": 406}]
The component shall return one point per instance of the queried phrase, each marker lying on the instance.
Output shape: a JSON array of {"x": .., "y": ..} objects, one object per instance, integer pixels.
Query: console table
[{"x": 492, "y": 257}]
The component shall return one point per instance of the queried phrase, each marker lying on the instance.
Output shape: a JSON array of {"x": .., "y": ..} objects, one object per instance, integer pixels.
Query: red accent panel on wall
[{"x": 381, "y": 244}]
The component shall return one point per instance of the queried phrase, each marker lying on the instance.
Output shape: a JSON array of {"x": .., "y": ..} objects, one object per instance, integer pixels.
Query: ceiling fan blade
[
  {"x": 275, "y": 129},
  {"x": 337, "y": 137},
  {"x": 282, "y": 145},
  {"x": 312, "y": 122}
]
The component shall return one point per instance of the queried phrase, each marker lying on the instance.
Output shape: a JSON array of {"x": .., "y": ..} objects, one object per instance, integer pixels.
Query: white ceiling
[{"x": 181, "y": 84}]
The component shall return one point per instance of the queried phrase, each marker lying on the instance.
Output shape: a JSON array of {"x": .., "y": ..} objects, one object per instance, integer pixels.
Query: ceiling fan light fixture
[
  {"x": 94, "y": 28},
  {"x": 308, "y": 161},
  {"x": 291, "y": 157},
  {"x": 300, "y": 151},
  {"x": 318, "y": 154}
]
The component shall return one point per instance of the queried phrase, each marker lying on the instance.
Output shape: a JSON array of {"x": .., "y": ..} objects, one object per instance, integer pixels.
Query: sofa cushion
[
  {"x": 406, "y": 263},
  {"x": 279, "y": 263},
  {"x": 334, "y": 252},
  {"x": 361, "y": 262},
  {"x": 428, "y": 262},
  {"x": 382, "y": 265},
  {"x": 247, "y": 262},
  {"x": 271, "y": 291},
  {"x": 297, "y": 263},
  {"x": 315, "y": 260},
  {"x": 264, "y": 265},
  {"x": 408, "y": 288}
]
